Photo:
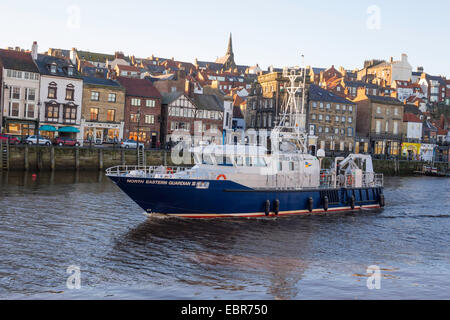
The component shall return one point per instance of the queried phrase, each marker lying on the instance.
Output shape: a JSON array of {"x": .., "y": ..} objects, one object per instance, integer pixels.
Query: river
[{"x": 82, "y": 221}]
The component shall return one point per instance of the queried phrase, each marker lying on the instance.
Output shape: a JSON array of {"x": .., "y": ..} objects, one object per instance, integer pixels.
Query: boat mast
[{"x": 292, "y": 125}]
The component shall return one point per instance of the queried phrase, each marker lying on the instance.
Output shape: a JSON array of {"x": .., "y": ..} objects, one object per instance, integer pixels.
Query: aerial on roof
[
  {"x": 139, "y": 87},
  {"x": 63, "y": 66},
  {"x": 17, "y": 60},
  {"x": 316, "y": 93}
]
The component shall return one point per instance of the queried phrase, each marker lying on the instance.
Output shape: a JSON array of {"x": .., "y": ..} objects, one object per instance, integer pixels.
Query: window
[
  {"x": 70, "y": 71},
  {"x": 350, "y": 120},
  {"x": 111, "y": 115},
  {"x": 149, "y": 119},
  {"x": 343, "y": 119},
  {"x": 52, "y": 92},
  {"x": 70, "y": 114},
  {"x": 15, "y": 93},
  {"x": 94, "y": 114},
  {"x": 95, "y": 96},
  {"x": 314, "y": 104},
  {"x": 328, "y": 106},
  {"x": 338, "y": 107},
  {"x": 30, "y": 110},
  {"x": 337, "y": 119},
  {"x": 379, "y": 110},
  {"x": 344, "y": 107},
  {"x": 52, "y": 113},
  {"x": 321, "y": 105},
  {"x": 396, "y": 111},
  {"x": 313, "y": 116},
  {"x": 320, "y": 117},
  {"x": 150, "y": 103},
  {"x": 70, "y": 94},
  {"x": 135, "y": 102},
  {"x": 395, "y": 127},
  {"x": 14, "y": 109},
  {"x": 134, "y": 117},
  {"x": 53, "y": 68},
  {"x": 31, "y": 94},
  {"x": 387, "y": 126},
  {"x": 378, "y": 126},
  {"x": 112, "y": 97},
  {"x": 350, "y": 108}
]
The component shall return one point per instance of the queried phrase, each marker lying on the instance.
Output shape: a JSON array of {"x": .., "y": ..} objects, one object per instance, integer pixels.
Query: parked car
[
  {"x": 42, "y": 140},
  {"x": 10, "y": 138},
  {"x": 130, "y": 144},
  {"x": 64, "y": 141}
]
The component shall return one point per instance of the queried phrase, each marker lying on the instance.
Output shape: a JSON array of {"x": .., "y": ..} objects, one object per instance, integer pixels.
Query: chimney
[
  {"x": 392, "y": 59},
  {"x": 420, "y": 69},
  {"x": 34, "y": 50},
  {"x": 73, "y": 56},
  {"x": 404, "y": 57}
]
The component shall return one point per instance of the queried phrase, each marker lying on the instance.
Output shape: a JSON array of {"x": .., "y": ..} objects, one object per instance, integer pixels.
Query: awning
[
  {"x": 68, "y": 129},
  {"x": 47, "y": 128}
]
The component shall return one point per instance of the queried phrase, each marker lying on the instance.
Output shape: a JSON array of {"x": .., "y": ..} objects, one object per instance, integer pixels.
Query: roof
[
  {"x": 360, "y": 84},
  {"x": 384, "y": 99},
  {"x": 409, "y": 117},
  {"x": 17, "y": 60},
  {"x": 101, "y": 82},
  {"x": 43, "y": 63},
  {"x": 316, "y": 93},
  {"x": 208, "y": 102},
  {"x": 139, "y": 87},
  {"x": 122, "y": 67},
  {"x": 94, "y": 56},
  {"x": 168, "y": 98}
]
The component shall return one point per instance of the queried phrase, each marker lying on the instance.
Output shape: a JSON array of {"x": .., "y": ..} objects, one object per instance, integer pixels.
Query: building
[
  {"x": 227, "y": 61},
  {"x": 102, "y": 119},
  {"x": 389, "y": 71},
  {"x": 407, "y": 89},
  {"x": 434, "y": 88},
  {"x": 127, "y": 71},
  {"x": 61, "y": 95},
  {"x": 178, "y": 114},
  {"x": 19, "y": 93},
  {"x": 142, "y": 111},
  {"x": 412, "y": 127},
  {"x": 331, "y": 119},
  {"x": 379, "y": 124}
]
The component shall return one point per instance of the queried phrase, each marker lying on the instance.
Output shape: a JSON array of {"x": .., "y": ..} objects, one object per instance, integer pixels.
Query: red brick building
[{"x": 142, "y": 111}]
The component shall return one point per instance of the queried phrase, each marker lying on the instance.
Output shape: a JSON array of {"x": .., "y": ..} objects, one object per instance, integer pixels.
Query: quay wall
[
  {"x": 22, "y": 158},
  {"x": 32, "y": 158}
]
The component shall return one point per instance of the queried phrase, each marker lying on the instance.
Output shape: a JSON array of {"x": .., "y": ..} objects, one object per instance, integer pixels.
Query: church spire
[{"x": 230, "y": 46}]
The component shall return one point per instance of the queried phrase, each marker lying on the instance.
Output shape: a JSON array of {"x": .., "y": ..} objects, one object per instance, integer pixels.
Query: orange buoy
[{"x": 222, "y": 176}]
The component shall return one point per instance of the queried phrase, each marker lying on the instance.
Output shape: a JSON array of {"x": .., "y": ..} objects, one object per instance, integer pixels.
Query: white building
[
  {"x": 413, "y": 127},
  {"x": 61, "y": 92},
  {"x": 19, "y": 93}
]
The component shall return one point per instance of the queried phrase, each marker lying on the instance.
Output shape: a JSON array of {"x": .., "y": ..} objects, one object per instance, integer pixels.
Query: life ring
[
  {"x": 169, "y": 170},
  {"x": 350, "y": 180},
  {"x": 222, "y": 176}
]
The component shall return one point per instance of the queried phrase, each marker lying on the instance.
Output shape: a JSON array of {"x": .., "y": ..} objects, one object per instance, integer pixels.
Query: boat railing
[{"x": 145, "y": 171}]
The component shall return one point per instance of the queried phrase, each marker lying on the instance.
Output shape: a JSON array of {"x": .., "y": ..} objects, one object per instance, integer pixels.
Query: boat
[{"x": 245, "y": 180}]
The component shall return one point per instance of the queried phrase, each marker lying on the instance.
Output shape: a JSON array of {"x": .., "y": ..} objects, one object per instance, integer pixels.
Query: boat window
[
  {"x": 259, "y": 162},
  {"x": 248, "y": 161},
  {"x": 239, "y": 161},
  {"x": 291, "y": 166},
  {"x": 229, "y": 161},
  {"x": 207, "y": 159},
  {"x": 219, "y": 159},
  {"x": 280, "y": 166}
]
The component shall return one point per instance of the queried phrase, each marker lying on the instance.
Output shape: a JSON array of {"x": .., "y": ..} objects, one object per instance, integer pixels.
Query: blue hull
[{"x": 203, "y": 199}]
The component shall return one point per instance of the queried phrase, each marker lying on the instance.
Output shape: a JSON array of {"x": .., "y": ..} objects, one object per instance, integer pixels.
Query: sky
[{"x": 327, "y": 32}]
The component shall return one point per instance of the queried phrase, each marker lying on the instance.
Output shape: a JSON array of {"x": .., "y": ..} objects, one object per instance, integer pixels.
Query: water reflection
[{"x": 49, "y": 221}]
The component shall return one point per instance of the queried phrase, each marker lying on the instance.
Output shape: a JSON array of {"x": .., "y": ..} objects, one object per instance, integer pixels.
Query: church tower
[{"x": 228, "y": 60}]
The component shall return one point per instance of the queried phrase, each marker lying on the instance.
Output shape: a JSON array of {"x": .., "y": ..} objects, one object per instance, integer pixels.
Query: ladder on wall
[
  {"x": 140, "y": 156},
  {"x": 4, "y": 155}
]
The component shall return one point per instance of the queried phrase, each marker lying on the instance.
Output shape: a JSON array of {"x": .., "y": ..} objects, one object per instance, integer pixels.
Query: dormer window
[
  {"x": 70, "y": 71},
  {"x": 53, "y": 68}
]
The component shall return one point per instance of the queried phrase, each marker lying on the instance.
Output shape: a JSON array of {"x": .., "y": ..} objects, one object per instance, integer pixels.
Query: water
[{"x": 54, "y": 221}]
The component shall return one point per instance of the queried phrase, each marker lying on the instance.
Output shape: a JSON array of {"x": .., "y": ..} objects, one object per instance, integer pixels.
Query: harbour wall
[{"x": 35, "y": 158}]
